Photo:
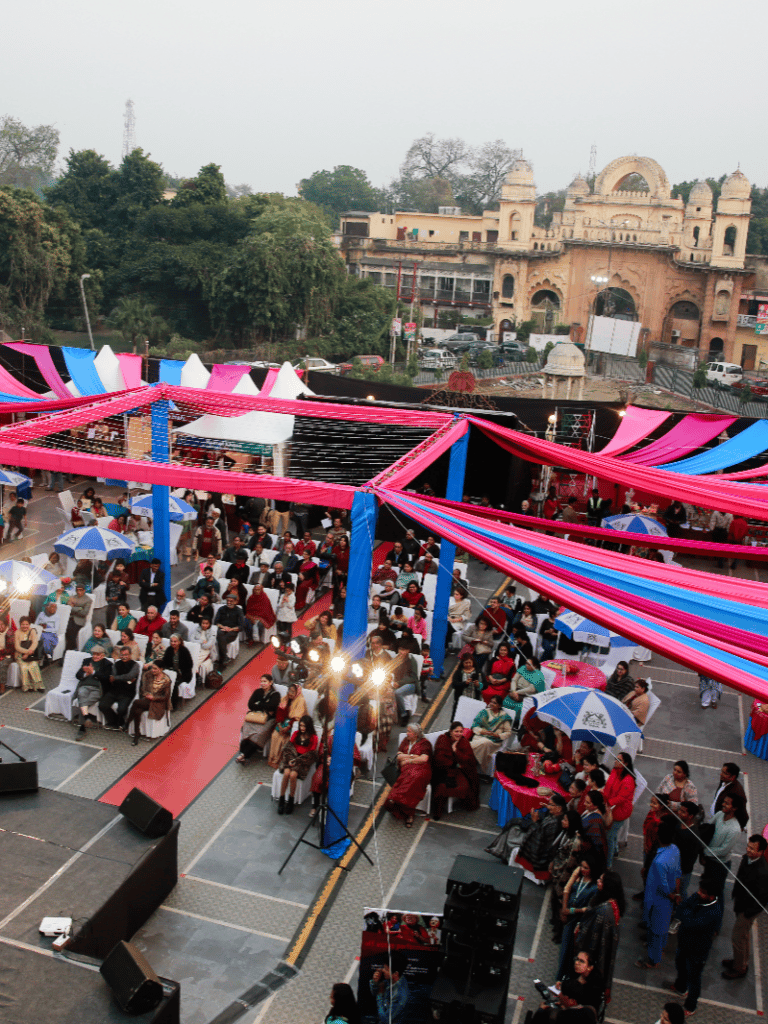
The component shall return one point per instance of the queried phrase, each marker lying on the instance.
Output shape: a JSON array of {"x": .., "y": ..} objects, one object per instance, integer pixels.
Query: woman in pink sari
[{"x": 415, "y": 759}]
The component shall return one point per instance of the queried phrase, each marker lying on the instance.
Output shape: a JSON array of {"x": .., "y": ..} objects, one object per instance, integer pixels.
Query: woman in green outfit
[{"x": 527, "y": 681}]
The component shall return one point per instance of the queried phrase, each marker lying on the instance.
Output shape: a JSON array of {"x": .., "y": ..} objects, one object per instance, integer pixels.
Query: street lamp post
[{"x": 85, "y": 308}]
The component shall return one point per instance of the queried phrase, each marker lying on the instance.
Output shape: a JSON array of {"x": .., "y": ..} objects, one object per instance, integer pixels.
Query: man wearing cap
[
  {"x": 174, "y": 625},
  {"x": 81, "y": 607},
  {"x": 120, "y": 689},
  {"x": 92, "y": 681},
  {"x": 260, "y": 576},
  {"x": 152, "y": 586},
  {"x": 151, "y": 622}
]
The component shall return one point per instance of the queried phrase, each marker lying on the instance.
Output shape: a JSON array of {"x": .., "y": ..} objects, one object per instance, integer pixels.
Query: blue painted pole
[
  {"x": 364, "y": 515},
  {"x": 161, "y": 494},
  {"x": 454, "y": 491}
]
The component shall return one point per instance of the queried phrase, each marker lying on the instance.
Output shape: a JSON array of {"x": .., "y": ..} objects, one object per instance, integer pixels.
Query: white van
[
  {"x": 436, "y": 359},
  {"x": 724, "y": 373}
]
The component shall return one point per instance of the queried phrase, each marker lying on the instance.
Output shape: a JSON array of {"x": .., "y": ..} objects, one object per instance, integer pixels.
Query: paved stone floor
[{"x": 231, "y": 918}]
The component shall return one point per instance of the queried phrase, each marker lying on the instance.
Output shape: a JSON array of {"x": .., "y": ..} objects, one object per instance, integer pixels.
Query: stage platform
[
  {"x": 75, "y": 858},
  {"x": 49, "y": 989}
]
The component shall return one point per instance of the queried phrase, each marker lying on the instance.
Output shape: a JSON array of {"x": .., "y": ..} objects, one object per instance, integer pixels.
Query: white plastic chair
[
  {"x": 59, "y": 700},
  {"x": 411, "y": 700},
  {"x": 19, "y": 606},
  {"x": 640, "y": 785},
  {"x": 64, "y": 612}
]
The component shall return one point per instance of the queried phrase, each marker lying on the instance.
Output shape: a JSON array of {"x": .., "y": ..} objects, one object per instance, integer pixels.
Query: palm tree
[{"x": 135, "y": 319}]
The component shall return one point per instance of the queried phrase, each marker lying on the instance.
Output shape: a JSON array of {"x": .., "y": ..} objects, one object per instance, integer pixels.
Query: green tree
[
  {"x": 480, "y": 189},
  {"x": 546, "y": 206},
  {"x": 344, "y": 188},
  {"x": 139, "y": 186},
  {"x": 362, "y": 317},
  {"x": 485, "y": 360},
  {"x": 27, "y": 155},
  {"x": 135, "y": 319},
  {"x": 207, "y": 189},
  {"x": 87, "y": 190}
]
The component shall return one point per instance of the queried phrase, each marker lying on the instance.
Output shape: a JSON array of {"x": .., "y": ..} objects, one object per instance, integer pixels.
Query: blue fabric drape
[
  {"x": 82, "y": 371},
  {"x": 161, "y": 494},
  {"x": 170, "y": 371},
  {"x": 746, "y": 445},
  {"x": 454, "y": 491}
]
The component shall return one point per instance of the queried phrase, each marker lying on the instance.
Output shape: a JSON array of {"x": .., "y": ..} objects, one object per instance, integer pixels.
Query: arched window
[
  {"x": 615, "y": 303},
  {"x": 508, "y": 287},
  {"x": 729, "y": 241},
  {"x": 514, "y": 226},
  {"x": 696, "y": 235}
]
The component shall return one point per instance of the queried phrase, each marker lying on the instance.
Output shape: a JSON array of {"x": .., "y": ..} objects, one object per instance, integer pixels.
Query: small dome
[
  {"x": 565, "y": 360},
  {"x": 736, "y": 186},
  {"x": 521, "y": 173},
  {"x": 578, "y": 187},
  {"x": 700, "y": 195}
]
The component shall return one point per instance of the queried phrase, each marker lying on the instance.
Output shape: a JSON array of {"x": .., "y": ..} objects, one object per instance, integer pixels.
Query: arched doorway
[
  {"x": 616, "y": 303},
  {"x": 683, "y": 324},
  {"x": 545, "y": 309},
  {"x": 716, "y": 349},
  {"x": 508, "y": 287}
]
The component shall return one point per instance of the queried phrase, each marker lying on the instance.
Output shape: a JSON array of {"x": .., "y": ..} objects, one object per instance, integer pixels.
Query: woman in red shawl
[
  {"x": 414, "y": 757},
  {"x": 259, "y": 614},
  {"x": 317, "y": 779},
  {"x": 412, "y": 596},
  {"x": 341, "y": 560},
  {"x": 309, "y": 579},
  {"x": 500, "y": 675},
  {"x": 455, "y": 773}
]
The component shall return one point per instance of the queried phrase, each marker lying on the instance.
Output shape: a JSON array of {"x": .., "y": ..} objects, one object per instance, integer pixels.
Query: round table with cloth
[
  {"x": 585, "y": 675},
  {"x": 756, "y": 736},
  {"x": 511, "y": 801}
]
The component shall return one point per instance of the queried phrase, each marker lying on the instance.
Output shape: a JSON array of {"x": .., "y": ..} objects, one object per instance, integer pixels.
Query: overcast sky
[{"x": 273, "y": 91}]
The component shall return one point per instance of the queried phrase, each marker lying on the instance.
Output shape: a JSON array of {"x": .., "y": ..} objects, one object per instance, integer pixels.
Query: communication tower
[{"x": 129, "y": 129}]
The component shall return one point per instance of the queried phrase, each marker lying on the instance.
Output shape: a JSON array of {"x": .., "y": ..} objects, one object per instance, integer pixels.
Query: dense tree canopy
[
  {"x": 27, "y": 155},
  {"x": 344, "y": 188}
]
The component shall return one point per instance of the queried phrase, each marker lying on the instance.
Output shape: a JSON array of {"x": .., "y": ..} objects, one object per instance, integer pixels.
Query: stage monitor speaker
[
  {"x": 135, "y": 985},
  {"x": 146, "y": 814},
  {"x": 18, "y": 777}
]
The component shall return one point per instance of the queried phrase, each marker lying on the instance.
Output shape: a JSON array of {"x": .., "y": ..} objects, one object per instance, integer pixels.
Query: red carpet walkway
[{"x": 179, "y": 767}]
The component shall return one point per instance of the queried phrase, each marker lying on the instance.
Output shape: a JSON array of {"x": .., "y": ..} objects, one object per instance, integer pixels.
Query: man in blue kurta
[{"x": 662, "y": 885}]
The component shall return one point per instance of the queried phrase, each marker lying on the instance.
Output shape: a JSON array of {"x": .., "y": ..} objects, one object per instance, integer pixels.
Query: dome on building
[
  {"x": 700, "y": 195},
  {"x": 565, "y": 360},
  {"x": 578, "y": 187},
  {"x": 521, "y": 173},
  {"x": 736, "y": 186}
]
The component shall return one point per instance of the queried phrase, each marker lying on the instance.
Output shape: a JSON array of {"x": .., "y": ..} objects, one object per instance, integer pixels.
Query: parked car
[
  {"x": 515, "y": 351},
  {"x": 474, "y": 351},
  {"x": 366, "y": 363},
  {"x": 259, "y": 364},
  {"x": 461, "y": 338},
  {"x": 724, "y": 374},
  {"x": 316, "y": 363},
  {"x": 436, "y": 359}
]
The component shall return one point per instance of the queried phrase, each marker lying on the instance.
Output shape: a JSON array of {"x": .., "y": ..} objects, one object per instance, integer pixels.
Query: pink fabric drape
[
  {"x": 692, "y": 547},
  {"x": 269, "y": 382},
  {"x": 690, "y": 434},
  {"x": 130, "y": 367},
  {"x": 11, "y": 386},
  {"x": 579, "y": 600},
  {"x": 636, "y": 425},
  {"x": 42, "y": 357},
  {"x": 400, "y": 473},
  {"x": 226, "y": 378},
  {"x": 710, "y": 492}
]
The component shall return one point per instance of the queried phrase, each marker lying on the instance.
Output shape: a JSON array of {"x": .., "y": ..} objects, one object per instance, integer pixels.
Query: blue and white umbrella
[
  {"x": 585, "y": 631},
  {"x": 586, "y": 714},
  {"x": 95, "y": 543},
  {"x": 634, "y": 523},
  {"x": 11, "y": 479},
  {"x": 179, "y": 511},
  {"x": 20, "y": 579}
]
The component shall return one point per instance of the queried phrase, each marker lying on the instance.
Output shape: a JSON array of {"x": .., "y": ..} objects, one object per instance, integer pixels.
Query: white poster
[
  {"x": 619, "y": 337},
  {"x": 540, "y": 341}
]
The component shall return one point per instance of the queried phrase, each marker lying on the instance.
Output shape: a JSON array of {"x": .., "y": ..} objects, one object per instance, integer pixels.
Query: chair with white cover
[
  {"x": 366, "y": 749},
  {"x": 64, "y": 611},
  {"x": 188, "y": 690},
  {"x": 19, "y": 606},
  {"x": 98, "y": 711},
  {"x": 141, "y": 640},
  {"x": 634, "y": 742},
  {"x": 426, "y": 801},
  {"x": 154, "y": 728},
  {"x": 411, "y": 700},
  {"x": 302, "y": 785},
  {"x": 59, "y": 700},
  {"x": 467, "y": 710}
]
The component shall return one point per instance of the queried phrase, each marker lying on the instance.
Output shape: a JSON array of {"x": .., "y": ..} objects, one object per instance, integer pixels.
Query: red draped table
[
  {"x": 512, "y": 801},
  {"x": 585, "y": 675}
]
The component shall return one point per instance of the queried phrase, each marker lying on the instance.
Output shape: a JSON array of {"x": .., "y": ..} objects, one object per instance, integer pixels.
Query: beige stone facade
[{"x": 677, "y": 268}]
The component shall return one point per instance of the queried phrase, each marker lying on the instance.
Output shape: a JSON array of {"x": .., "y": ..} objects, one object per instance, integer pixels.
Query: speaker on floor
[
  {"x": 18, "y": 777},
  {"x": 135, "y": 985},
  {"x": 146, "y": 814}
]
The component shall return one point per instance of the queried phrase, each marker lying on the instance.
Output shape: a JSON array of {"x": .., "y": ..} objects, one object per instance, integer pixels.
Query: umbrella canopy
[
  {"x": 11, "y": 479},
  {"x": 586, "y": 714},
  {"x": 180, "y": 511},
  {"x": 116, "y": 510},
  {"x": 95, "y": 543},
  {"x": 20, "y": 579},
  {"x": 585, "y": 631},
  {"x": 633, "y": 523}
]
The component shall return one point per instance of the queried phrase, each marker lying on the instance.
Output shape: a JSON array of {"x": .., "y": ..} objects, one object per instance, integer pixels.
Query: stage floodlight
[
  {"x": 378, "y": 676},
  {"x": 295, "y": 646},
  {"x": 338, "y": 664},
  {"x": 314, "y": 655},
  {"x": 357, "y": 670}
]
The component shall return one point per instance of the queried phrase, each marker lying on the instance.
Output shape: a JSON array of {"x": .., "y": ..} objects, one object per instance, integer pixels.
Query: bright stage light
[
  {"x": 3, "y": 586},
  {"x": 295, "y": 646},
  {"x": 24, "y": 583},
  {"x": 275, "y": 641},
  {"x": 378, "y": 676},
  {"x": 338, "y": 663},
  {"x": 314, "y": 655},
  {"x": 357, "y": 671}
]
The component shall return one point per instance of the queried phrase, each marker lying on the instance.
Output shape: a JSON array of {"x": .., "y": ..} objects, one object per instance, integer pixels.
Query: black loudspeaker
[
  {"x": 136, "y": 986},
  {"x": 18, "y": 777},
  {"x": 146, "y": 815}
]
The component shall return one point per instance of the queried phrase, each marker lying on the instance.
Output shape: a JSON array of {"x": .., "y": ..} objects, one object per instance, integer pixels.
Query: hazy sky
[{"x": 274, "y": 91}]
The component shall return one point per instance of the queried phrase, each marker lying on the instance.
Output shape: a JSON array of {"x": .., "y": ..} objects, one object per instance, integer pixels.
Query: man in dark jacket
[
  {"x": 699, "y": 922},
  {"x": 729, "y": 785},
  {"x": 750, "y": 896},
  {"x": 178, "y": 658},
  {"x": 119, "y": 689},
  {"x": 152, "y": 586},
  {"x": 92, "y": 680}
]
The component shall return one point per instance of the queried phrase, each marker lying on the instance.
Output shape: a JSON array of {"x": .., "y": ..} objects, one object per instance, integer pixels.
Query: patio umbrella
[
  {"x": 634, "y": 523},
  {"x": 10, "y": 479},
  {"x": 20, "y": 579},
  {"x": 179, "y": 511},
  {"x": 585, "y": 631},
  {"x": 586, "y": 714},
  {"x": 116, "y": 510},
  {"x": 95, "y": 543}
]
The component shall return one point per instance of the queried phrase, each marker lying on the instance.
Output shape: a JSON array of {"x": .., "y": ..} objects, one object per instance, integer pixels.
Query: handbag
[
  {"x": 257, "y": 717},
  {"x": 391, "y": 771},
  {"x": 213, "y": 681}
]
